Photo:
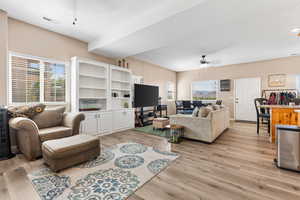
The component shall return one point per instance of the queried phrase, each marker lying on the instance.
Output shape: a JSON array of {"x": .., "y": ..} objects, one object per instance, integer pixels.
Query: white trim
[
  {"x": 11, "y": 53},
  {"x": 42, "y": 61}
]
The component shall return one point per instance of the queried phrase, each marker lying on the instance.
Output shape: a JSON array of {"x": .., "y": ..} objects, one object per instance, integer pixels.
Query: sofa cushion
[
  {"x": 204, "y": 111},
  {"x": 54, "y": 133},
  {"x": 70, "y": 146},
  {"x": 216, "y": 107},
  {"x": 50, "y": 117},
  {"x": 195, "y": 112}
]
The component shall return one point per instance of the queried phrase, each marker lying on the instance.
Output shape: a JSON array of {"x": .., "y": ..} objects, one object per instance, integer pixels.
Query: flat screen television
[{"x": 145, "y": 95}]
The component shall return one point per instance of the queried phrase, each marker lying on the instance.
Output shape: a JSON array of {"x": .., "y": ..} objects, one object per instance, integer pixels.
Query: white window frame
[
  {"x": 42, "y": 70},
  {"x": 167, "y": 89},
  {"x": 206, "y": 101}
]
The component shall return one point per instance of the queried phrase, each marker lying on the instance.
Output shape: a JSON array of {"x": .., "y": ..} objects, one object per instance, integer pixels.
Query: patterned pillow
[
  {"x": 195, "y": 112},
  {"x": 28, "y": 111}
]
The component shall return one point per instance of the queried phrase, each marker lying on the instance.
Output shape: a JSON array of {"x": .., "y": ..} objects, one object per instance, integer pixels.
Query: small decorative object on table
[{"x": 175, "y": 133}]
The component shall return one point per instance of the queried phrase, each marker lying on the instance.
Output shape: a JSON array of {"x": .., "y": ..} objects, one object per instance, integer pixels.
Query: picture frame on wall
[{"x": 277, "y": 80}]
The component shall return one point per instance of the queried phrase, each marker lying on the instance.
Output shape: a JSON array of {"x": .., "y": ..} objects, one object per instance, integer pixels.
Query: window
[
  {"x": 171, "y": 91},
  {"x": 36, "y": 80},
  {"x": 204, "y": 90}
]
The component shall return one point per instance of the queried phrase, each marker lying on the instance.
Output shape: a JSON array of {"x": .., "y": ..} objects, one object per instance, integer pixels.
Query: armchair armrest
[
  {"x": 27, "y": 136},
  {"x": 20, "y": 123},
  {"x": 72, "y": 120}
]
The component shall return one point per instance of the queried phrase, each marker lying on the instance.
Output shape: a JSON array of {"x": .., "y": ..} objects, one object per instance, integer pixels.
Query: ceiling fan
[{"x": 203, "y": 61}]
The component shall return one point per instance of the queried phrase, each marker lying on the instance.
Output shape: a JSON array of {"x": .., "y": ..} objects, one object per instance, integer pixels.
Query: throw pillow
[
  {"x": 28, "y": 111},
  {"x": 50, "y": 117},
  {"x": 195, "y": 112},
  {"x": 204, "y": 111},
  {"x": 216, "y": 107}
]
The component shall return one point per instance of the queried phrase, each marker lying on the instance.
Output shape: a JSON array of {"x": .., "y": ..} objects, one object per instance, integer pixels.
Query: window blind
[
  {"x": 25, "y": 80},
  {"x": 36, "y": 80}
]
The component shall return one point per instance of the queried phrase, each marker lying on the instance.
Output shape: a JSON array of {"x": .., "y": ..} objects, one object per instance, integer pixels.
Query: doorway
[{"x": 246, "y": 90}]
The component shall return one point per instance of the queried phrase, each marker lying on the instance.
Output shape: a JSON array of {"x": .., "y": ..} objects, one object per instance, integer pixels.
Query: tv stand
[{"x": 145, "y": 117}]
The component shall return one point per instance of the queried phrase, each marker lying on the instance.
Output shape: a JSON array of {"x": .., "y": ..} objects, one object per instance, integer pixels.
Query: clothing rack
[
  {"x": 278, "y": 90},
  {"x": 280, "y": 96}
]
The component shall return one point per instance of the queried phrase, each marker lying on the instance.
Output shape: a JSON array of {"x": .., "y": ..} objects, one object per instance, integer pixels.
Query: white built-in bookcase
[
  {"x": 120, "y": 84},
  {"x": 89, "y": 83},
  {"x": 92, "y": 86}
]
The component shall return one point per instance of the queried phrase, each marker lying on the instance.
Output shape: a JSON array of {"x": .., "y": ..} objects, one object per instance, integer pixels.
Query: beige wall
[
  {"x": 32, "y": 40},
  {"x": 3, "y": 57},
  {"x": 289, "y": 66},
  {"x": 155, "y": 75}
]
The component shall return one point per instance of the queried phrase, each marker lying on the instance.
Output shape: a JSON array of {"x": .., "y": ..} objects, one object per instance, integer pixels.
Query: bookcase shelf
[{"x": 89, "y": 84}]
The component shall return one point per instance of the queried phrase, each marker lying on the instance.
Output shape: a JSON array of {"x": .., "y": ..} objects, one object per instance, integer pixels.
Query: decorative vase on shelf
[{"x": 126, "y": 105}]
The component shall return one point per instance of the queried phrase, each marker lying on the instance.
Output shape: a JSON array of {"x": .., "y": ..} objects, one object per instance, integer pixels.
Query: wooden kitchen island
[{"x": 282, "y": 114}]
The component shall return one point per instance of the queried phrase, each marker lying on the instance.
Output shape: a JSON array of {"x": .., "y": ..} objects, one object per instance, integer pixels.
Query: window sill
[{"x": 46, "y": 103}]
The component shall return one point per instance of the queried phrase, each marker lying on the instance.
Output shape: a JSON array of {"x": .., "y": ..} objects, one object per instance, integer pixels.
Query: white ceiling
[{"x": 172, "y": 33}]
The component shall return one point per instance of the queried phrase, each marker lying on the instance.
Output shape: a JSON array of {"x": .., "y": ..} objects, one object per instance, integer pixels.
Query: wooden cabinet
[{"x": 283, "y": 116}]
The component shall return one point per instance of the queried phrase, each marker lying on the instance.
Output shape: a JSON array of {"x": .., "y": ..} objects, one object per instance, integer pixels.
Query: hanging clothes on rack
[{"x": 280, "y": 97}]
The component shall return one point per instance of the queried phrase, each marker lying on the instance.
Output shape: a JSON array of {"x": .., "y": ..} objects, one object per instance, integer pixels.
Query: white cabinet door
[
  {"x": 123, "y": 119},
  {"x": 117, "y": 120},
  {"x": 105, "y": 122},
  {"x": 129, "y": 118},
  {"x": 246, "y": 90},
  {"x": 90, "y": 124}
]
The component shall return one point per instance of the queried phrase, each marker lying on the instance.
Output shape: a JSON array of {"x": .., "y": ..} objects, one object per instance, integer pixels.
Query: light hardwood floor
[{"x": 239, "y": 165}]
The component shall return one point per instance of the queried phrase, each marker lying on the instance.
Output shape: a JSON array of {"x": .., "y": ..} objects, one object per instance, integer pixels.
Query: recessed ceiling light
[{"x": 295, "y": 30}]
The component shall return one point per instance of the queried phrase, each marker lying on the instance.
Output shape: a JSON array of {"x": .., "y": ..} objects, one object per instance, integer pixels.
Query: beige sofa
[
  {"x": 204, "y": 129},
  {"x": 48, "y": 125}
]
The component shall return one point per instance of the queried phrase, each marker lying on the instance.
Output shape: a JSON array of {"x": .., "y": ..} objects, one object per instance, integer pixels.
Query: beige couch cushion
[
  {"x": 69, "y": 146},
  {"x": 54, "y": 133},
  {"x": 216, "y": 107},
  {"x": 204, "y": 111},
  {"x": 50, "y": 117}
]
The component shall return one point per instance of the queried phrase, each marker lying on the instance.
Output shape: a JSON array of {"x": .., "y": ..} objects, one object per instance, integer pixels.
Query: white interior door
[{"x": 246, "y": 90}]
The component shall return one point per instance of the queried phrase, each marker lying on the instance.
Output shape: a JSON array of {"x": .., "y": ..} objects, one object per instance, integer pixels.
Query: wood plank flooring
[{"x": 239, "y": 165}]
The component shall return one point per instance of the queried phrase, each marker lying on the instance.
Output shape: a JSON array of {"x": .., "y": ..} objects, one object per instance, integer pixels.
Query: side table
[{"x": 175, "y": 133}]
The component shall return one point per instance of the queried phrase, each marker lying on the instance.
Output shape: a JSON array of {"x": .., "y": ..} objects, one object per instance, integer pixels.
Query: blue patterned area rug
[{"x": 115, "y": 175}]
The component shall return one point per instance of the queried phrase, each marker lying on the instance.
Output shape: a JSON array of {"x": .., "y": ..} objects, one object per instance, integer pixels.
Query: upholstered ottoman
[
  {"x": 66, "y": 152},
  {"x": 160, "y": 123}
]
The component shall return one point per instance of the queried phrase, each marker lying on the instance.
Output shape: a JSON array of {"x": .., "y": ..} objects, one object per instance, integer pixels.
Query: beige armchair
[{"x": 48, "y": 125}]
